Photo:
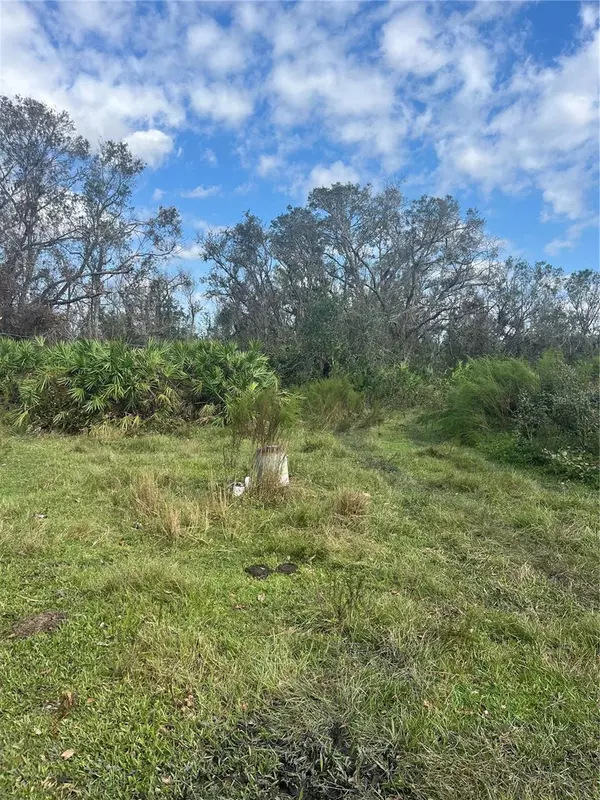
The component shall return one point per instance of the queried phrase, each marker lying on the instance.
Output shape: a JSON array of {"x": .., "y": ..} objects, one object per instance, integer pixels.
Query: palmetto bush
[
  {"x": 77, "y": 385},
  {"x": 214, "y": 370},
  {"x": 17, "y": 359}
]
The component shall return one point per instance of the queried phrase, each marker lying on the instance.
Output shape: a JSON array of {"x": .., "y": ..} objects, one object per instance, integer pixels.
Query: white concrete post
[{"x": 272, "y": 466}]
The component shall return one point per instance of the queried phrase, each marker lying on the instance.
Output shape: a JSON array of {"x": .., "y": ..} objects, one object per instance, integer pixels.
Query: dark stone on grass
[
  {"x": 46, "y": 622},
  {"x": 288, "y": 568},
  {"x": 258, "y": 570}
]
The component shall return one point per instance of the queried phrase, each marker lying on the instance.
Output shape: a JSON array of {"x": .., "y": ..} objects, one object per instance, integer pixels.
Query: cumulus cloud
[
  {"x": 200, "y": 192},
  {"x": 220, "y": 50},
  {"x": 365, "y": 87},
  {"x": 157, "y": 195},
  {"x": 268, "y": 164},
  {"x": 411, "y": 43},
  {"x": 221, "y": 103},
  {"x": 338, "y": 172},
  {"x": 545, "y": 135},
  {"x": 590, "y": 12},
  {"x": 151, "y": 146}
]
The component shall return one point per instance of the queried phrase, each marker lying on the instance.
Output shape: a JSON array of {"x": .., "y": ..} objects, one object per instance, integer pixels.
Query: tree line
[
  {"x": 357, "y": 278},
  {"x": 353, "y": 279}
]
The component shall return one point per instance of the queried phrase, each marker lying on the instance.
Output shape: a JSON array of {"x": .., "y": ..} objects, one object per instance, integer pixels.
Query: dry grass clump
[
  {"x": 167, "y": 517},
  {"x": 352, "y": 505}
]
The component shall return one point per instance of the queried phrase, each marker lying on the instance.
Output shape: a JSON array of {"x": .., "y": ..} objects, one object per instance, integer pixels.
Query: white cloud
[
  {"x": 562, "y": 190},
  {"x": 243, "y": 188},
  {"x": 152, "y": 146},
  {"x": 458, "y": 86},
  {"x": 250, "y": 16},
  {"x": 338, "y": 172},
  {"x": 204, "y": 226},
  {"x": 544, "y": 136},
  {"x": 477, "y": 71},
  {"x": 347, "y": 91},
  {"x": 204, "y": 35},
  {"x": 109, "y": 20},
  {"x": 571, "y": 237},
  {"x": 410, "y": 42},
  {"x": 222, "y": 103},
  {"x": 192, "y": 252},
  {"x": 30, "y": 66},
  {"x": 200, "y": 192},
  {"x": 220, "y": 50},
  {"x": 157, "y": 195},
  {"x": 268, "y": 164},
  {"x": 589, "y": 15}
]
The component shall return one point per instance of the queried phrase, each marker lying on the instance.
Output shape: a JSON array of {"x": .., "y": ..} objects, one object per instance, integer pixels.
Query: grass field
[{"x": 437, "y": 641}]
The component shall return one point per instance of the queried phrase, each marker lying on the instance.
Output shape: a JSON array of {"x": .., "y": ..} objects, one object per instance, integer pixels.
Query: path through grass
[{"x": 437, "y": 640}]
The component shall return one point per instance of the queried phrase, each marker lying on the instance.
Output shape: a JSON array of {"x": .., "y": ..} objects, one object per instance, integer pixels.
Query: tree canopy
[{"x": 354, "y": 278}]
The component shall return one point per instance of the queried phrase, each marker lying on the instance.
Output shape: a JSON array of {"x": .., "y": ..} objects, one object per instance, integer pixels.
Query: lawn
[{"x": 436, "y": 641}]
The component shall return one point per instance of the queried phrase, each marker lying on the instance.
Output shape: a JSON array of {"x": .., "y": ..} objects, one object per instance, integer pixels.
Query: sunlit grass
[{"x": 437, "y": 640}]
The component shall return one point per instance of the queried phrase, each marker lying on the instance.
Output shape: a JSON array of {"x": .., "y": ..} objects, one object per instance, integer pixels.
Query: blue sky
[{"x": 239, "y": 106}]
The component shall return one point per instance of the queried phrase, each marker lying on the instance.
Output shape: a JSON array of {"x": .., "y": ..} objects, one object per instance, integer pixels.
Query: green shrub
[
  {"x": 484, "y": 396},
  {"x": 394, "y": 387},
  {"x": 549, "y": 416},
  {"x": 572, "y": 464},
  {"x": 559, "y": 425},
  {"x": 564, "y": 412},
  {"x": 17, "y": 359},
  {"x": 569, "y": 396},
  {"x": 261, "y": 414},
  {"x": 332, "y": 403},
  {"x": 81, "y": 384}
]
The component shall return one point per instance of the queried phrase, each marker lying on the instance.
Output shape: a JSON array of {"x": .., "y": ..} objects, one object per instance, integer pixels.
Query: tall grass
[
  {"x": 548, "y": 413},
  {"x": 332, "y": 403},
  {"x": 484, "y": 396}
]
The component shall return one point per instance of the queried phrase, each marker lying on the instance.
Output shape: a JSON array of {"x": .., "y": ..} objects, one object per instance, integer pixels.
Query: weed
[
  {"x": 345, "y": 596},
  {"x": 169, "y": 518}
]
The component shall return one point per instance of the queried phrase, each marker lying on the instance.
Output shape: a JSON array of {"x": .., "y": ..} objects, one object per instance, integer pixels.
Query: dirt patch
[
  {"x": 261, "y": 571},
  {"x": 46, "y": 622}
]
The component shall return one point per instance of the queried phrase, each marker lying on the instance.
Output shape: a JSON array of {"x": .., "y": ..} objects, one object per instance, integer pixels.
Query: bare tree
[
  {"x": 42, "y": 160},
  {"x": 68, "y": 227},
  {"x": 111, "y": 239},
  {"x": 243, "y": 281},
  {"x": 360, "y": 278}
]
